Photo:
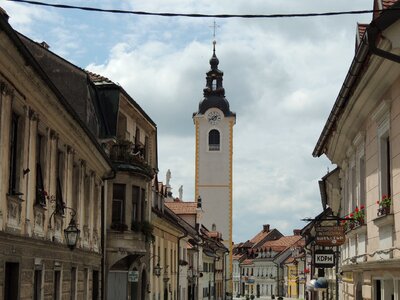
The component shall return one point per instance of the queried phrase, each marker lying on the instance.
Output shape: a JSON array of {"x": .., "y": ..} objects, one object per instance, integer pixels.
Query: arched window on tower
[
  {"x": 213, "y": 140},
  {"x": 214, "y": 84}
]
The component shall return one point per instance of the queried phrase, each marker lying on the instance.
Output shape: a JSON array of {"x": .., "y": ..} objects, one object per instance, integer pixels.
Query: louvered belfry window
[{"x": 213, "y": 140}]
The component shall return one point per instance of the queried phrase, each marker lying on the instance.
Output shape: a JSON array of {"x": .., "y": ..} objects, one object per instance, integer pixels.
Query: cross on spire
[{"x": 215, "y": 26}]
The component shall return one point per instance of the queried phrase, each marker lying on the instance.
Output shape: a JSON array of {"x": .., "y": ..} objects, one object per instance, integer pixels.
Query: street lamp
[
  {"x": 156, "y": 268},
  {"x": 72, "y": 232}
]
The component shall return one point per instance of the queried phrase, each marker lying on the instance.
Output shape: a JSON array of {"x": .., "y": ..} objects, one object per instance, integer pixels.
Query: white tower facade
[{"x": 214, "y": 123}]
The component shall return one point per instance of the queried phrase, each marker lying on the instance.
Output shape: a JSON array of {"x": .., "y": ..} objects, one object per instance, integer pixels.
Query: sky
[{"x": 281, "y": 77}]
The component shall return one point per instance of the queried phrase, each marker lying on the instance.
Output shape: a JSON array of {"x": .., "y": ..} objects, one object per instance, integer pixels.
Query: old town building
[
  {"x": 128, "y": 136},
  {"x": 52, "y": 173},
  {"x": 260, "y": 264},
  {"x": 361, "y": 136}
]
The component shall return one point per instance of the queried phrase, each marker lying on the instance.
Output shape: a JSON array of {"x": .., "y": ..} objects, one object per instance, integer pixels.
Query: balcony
[
  {"x": 129, "y": 157},
  {"x": 126, "y": 240}
]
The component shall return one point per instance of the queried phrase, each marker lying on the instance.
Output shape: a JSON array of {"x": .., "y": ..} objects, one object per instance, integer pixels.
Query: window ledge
[
  {"x": 359, "y": 230},
  {"x": 384, "y": 220}
]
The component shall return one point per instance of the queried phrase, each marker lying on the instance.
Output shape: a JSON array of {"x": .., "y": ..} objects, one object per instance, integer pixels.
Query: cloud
[{"x": 281, "y": 77}]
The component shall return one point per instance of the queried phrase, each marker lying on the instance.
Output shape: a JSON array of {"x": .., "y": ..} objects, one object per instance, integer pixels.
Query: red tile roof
[
  {"x": 98, "y": 78},
  {"x": 283, "y": 243},
  {"x": 388, "y": 3},
  {"x": 361, "y": 30},
  {"x": 260, "y": 236},
  {"x": 182, "y": 208}
]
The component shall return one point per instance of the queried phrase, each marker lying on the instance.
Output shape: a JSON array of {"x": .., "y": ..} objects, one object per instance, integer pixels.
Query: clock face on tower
[{"x": 213, "y": 117}]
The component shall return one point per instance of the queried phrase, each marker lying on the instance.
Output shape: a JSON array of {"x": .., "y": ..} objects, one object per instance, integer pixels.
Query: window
[
  {"x": 137, "y": 136},
  {"x": 353, "y": 188},
  {"x": 213, "y": 140},
  {"x": 142, "y": 204},
  {"x": 136, "y": 204},
  {"x": 385, "y": 168},
  {"x": 40, "y": 192},
  {"x": 75, "y": 186},
  {"x": 60, "y": 176},
  {"x": 95, "y": 287},
  {"x": 214, "y": 84},
  {"x": 87, "y": 186},
  {"x": 57, "y": 285},
  {"x": 37, "y": 285},
  {"x": 73, "y": 282},
  {"x": 85, "y": 283},
  {"x": 14, "y": 155},
  {"x": 362, "y": 196},
  {"x": 118, "y": 205},
  {"x": 11, "y": 281}
]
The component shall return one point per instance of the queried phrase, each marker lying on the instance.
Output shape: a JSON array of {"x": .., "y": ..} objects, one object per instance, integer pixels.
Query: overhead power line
[{"x": 190, "y": 15}]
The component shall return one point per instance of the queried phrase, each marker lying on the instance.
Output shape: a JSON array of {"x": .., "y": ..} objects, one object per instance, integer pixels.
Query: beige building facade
[
  {"x": 361, "y": 136},
  {"x": 52, "y": 170}
]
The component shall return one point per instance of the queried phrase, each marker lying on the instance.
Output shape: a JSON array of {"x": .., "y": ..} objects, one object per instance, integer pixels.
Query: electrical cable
[{"x": 197, "y": 15}]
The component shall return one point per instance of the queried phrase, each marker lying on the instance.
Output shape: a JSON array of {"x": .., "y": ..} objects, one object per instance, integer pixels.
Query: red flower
[
  {"x": 362, "y": 207},
  {"x": 384, "y": 196},
  {"x": 357, "y": 209},
  {"x": 347, "y": 217},
  {"x": 377, "y": 202},
  {"x": 351, "y": 215}
]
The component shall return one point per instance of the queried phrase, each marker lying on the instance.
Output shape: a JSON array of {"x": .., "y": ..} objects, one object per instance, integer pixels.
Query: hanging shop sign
[
  {"x": 324, "y": 258},
  {"x": 329, "y": 236}
]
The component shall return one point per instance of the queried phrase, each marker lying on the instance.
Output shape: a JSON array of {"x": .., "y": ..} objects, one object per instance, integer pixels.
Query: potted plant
[
  {"x": 359, "y": 215},
  {"x": 384, "y": 205}
]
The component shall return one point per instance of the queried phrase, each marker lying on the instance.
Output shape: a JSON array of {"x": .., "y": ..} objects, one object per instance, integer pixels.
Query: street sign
[
  {"x": 133, "y": 276},
  {"x": 329, "y": 236},
  {"x": 324, "y": 258}
]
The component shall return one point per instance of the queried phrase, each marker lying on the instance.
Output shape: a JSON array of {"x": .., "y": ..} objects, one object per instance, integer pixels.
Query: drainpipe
[
  {"x": 178, "y": 275},
  {"x": 104, "y": 191}
]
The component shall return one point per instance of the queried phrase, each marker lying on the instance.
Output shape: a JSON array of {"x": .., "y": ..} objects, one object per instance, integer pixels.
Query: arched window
[
  {"x": 213, "y": 140},
  {"x": 214, "y": 84}
]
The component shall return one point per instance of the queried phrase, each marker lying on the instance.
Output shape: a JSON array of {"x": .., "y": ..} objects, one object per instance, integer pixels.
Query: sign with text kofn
[
  {"x": 324, "y": 258},
  {"x": 329, "y": 236}
]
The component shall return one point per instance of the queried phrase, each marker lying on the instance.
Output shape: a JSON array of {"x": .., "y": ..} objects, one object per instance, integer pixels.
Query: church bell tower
[{"x": 214, "y": 123}]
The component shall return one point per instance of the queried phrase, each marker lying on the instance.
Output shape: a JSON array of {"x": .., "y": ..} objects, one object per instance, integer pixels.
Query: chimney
[
  {"x": 266, "y": 227},
  {"x": 44, "y": 45},
  {"x": 296, "y": 231},
  {"x": 4, "y": 14}
]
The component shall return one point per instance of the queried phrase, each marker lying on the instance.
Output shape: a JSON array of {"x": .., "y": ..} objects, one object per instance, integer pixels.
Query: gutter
[
  {"x": 179, "y": 275},
  {"x": 103, "y": 232}
]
